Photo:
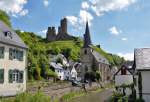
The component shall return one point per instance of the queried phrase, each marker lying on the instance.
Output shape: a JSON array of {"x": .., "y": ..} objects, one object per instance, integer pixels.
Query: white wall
[
  {"x": 7, "y": 88},
  {"x": 146, "y": 85},
  {"x": 63, "y": 74},
  {"x": 123, "y": 79}
]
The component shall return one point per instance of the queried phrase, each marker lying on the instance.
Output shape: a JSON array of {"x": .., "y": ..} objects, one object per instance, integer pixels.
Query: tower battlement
[{"x": 62, "y": 32}]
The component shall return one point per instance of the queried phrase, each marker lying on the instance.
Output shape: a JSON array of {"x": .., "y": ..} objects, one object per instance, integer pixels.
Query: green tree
[{"x": 5, "y": 18}]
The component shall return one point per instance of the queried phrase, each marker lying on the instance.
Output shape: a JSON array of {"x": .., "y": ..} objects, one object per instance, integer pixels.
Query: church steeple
[{"x": 87, "y": 38}]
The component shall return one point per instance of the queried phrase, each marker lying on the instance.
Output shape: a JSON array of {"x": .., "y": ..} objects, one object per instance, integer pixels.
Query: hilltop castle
[{"x": 62, "y": 34}]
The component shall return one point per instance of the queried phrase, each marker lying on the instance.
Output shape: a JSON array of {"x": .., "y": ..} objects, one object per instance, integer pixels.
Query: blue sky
[{"x": 118, "y": 26}]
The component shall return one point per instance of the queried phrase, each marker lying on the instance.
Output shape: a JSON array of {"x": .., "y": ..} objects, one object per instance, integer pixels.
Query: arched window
[{"x": 85, "y": 51}]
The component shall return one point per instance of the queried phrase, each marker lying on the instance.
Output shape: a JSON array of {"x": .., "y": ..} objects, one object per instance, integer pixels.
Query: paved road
[{"x": 95, "y": 97}]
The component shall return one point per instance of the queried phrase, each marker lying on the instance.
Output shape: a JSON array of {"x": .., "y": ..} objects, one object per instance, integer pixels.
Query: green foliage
[
  {"x": 28, "y": 97},
  {"x": 71, "y": 95},
  {"x": 39, "y": 49},
  {"x": 5, "y": 18},
  {"x": 38, "y": 61},
  {"x": 59, "y": 60},
  {"x": 38, "y": 66},
  {"x": 98, "y": 76},
  {"x": 114, "y": 60}
]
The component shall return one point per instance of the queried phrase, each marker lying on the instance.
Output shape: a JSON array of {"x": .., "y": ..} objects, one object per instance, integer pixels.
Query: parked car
[{"x": 76, "y": 83}]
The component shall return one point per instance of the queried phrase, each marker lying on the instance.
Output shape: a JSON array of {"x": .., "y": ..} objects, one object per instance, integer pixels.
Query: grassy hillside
[
  {"x": 39, "y": 50},
  {"x": 70, "y": 48}
]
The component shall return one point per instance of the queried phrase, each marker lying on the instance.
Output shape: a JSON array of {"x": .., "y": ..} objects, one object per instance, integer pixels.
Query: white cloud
[
  {"x": 113, "y": 30},
  {"x": 102, "y": 6},
  {"x": 124, "y": 39},
  {"x": 127, "y": 56},
  {"x": 42, "y": 33},
  {"x": 72, "y": 19},
  {"x": 24, "y": 12},
  {"x": 46, "y": 3},
  {"x": 84, "y": 16},
  {"x": 99, "y": 7},
  {"x": 85, "y": 5},
  {"x": 14, "y": 7},
  {"x": 79, "y": 21}
]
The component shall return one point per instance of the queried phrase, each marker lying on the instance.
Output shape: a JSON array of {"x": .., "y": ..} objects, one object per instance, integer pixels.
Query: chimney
[{"x": 99, "y": 46}]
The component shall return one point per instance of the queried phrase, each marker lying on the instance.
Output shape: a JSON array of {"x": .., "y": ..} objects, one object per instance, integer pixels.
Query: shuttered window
[
  {"x": 21, "y": 77},
  {"x": 11, "y": 54},
  {"x": 1, "y": 52},
  {"x": 10, "y": 76},
  {"x": 1, "y": 76},
  {"x": 15, "y": 54},
  {"x": 16, "y": 76}
]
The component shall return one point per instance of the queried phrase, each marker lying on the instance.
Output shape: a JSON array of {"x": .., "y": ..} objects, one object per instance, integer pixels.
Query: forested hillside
[
  {"x": 5, "y": 18},
  {"x": 39, "y": 50}
]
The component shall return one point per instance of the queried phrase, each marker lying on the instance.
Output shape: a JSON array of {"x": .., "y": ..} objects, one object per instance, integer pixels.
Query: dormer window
[{"x": 8, "y": 34}]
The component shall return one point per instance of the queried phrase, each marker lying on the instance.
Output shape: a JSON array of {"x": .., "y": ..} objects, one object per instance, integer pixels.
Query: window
[
  {"x": 8, "y": 34},
  {"x": 1, "y": 75},
  {"x": 15, "y": 54},
  {"x": 15, "y": 76},
  {"x": 85, "y": 51},
  {"x": 123, "y": 71},
  {"x": 1, "y": 52}
]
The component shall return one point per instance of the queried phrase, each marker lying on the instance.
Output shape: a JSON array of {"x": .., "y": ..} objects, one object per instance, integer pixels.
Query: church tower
[
  {"x": 86, "y": 53},
  {"x": 87, "y": 37}
]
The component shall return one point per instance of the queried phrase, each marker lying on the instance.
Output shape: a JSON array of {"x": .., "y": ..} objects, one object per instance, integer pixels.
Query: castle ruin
[{"x": 62, "y": 34}]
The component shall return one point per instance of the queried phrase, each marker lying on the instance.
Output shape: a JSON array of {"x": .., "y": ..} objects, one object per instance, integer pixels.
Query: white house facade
[
  {"x": 142, "y": 66},
  {"x": 76, "y": 71},
  {"x": 12, "y": 62},
  {"x": 74, "y": 74},
  {"x": 63, "y": 74},
  {"x": 123, "y": 77}
]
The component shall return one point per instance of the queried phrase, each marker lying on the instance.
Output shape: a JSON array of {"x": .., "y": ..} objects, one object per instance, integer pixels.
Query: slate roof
[
  {"x": 142, "y": 58},
  {"x": 99, "y": 57},
  {"x": 87, "y": 37},
  {"x": 56, "y": 66},
  {"x": 14, "y": 40}
]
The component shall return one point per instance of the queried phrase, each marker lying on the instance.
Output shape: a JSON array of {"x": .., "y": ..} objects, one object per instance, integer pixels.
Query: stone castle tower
[
  {"x": 51, "y": 34},
  {"x": 62, "y": 32}
]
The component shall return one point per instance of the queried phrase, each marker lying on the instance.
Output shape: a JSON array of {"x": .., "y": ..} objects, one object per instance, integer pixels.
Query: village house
[
  {"x": 62, "y": 73},
  {"x": 123, "y": 77},
  {"x": 12, "y": 62},
  {"x": 60, "y": 65},
  {"x": 92, "y": 60},
  {"x": 76, "y": 71},
  {"x": 142, "y": 69}
]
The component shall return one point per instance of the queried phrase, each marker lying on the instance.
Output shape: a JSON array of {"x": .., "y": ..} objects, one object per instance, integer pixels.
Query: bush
[
  {"x": 139, "y": 100},
  {"x": 71, "y": 95},
  {"x": 28, "y": 97}
]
